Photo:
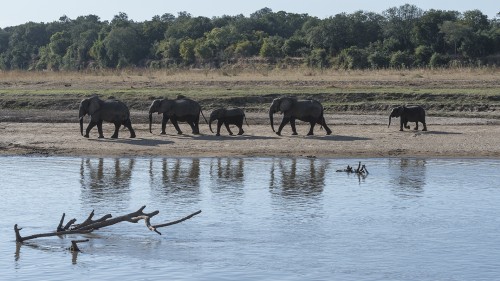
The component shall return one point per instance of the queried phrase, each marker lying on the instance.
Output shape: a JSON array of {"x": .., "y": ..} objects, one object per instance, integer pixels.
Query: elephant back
[
  {"x": 235, "y": 112},
  {"x": 310, "y": 108},
  {"x": 183, "y": 107},
  {"x": 114, "y": 110}
]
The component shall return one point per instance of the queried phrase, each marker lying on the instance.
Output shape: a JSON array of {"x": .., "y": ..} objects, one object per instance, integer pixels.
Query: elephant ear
[
  {"x": 165, "y": 105},
  {"x": 93, "y": 105},
  {"x": 285, "y": 104}
]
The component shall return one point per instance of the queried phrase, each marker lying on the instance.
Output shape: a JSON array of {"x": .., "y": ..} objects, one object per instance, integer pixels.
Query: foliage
[{"x": 400, "y": 37}]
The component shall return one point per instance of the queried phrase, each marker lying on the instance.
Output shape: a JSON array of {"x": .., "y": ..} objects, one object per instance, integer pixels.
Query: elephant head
[
  {"x": 156, "y": 106},
  {"x": 216, "y": 115},
  {"x": 279, "y": 105},
  {"x": 396, "y": 112},
  {"x": 88, "y": 106}
]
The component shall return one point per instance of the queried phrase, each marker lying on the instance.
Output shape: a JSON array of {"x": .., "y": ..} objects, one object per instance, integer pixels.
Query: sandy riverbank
[{"x": 369, "y": 137}]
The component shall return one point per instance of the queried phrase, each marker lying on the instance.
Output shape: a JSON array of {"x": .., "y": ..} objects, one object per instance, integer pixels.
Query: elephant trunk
[
  {"x": 150, "y": 122},
  {"x": 210, "y": 124},
  {"x": 81, "y": 125},
  {"x": 389, "y": 121},
  {"x": 271, "y": 119}
]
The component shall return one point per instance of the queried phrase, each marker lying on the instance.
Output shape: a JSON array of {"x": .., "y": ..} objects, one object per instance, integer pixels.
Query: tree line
[{"x": 399, "y": 37}]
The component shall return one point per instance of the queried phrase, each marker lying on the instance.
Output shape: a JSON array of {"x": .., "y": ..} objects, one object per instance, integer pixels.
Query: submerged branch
[
  {"x": 90, "y": 225},
  {"x": 361, "y": 170}
]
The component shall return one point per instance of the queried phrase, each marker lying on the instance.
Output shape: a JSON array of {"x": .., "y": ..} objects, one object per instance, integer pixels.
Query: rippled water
[{"x": 262, "y": 219}]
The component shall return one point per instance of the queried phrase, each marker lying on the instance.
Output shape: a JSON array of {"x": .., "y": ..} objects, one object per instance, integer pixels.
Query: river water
[{"x": 262, "y": 219}]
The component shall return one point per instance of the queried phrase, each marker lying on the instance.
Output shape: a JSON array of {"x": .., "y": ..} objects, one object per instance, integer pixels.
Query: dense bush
[{"x": 400, "y": 37}]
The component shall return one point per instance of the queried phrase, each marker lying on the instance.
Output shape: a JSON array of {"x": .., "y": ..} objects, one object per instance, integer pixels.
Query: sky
[{"x": 16, "y": 12}]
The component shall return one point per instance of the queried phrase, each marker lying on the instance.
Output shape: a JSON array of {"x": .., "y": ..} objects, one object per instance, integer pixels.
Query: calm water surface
[{"x": 262, "y": 219}]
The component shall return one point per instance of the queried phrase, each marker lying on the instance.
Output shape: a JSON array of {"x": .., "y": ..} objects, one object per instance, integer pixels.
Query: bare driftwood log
[
  {"x": 90, "y": 225},
  {"x": 361, "y": 170}
]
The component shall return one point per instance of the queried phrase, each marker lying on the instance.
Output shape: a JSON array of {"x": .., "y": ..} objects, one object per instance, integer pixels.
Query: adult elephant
[
  {"x": 409, "y": 114},
  {"x": 305, "y": 110},
  {"x": 111, "y": 110},
  {"x": 179, "y": 110},
  {"x": 233, "y": 116}
]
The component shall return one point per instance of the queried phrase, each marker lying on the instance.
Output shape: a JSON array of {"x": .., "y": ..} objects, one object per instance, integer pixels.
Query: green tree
[
  {"x": 423, "y": 54},
  {"x": 186, "y": 50},
  {"x": 427, "y": 29},
  {"x": 476, "y": 20},
  {"x": 401, "y": 59},
  {"x": 204, "y": 50},
  {"x": 399, "y": 23},
  {"x": 272, "y": 48},
  {"x": 185, "y": 26},
  {"x": 168, "y": 49},
  {"x": 378, "y": 59},
  {"x": 295, "y": 46},
  {"x": 454, "y": 33},
  {"x": 438, "y": 60},
  {"x": 59, "y": 43},
  {"x": 352, "y": 58},
  {"x": 318, "y": 58},
  {"x": 245, "y": 48},
  {"x": 123, "y": 46}
]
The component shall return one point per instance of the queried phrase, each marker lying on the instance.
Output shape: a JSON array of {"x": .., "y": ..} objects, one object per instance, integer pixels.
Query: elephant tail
[
  {"x": 244, "y": 116},
  {"x": 201, "y": 111},
  {"x": 321, "y": 120}
]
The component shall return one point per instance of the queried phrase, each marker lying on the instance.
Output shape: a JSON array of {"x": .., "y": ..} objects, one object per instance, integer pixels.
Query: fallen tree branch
[
  {"x": 155, "y": 227},
  {"x": 361, "y": 170},
  {"x": 74, "y": 246},
  {"x": 90, "y": 225}
]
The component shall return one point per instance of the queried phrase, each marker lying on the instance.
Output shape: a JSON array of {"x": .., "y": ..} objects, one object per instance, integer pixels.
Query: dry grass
[{"x": 258, "y": 74}]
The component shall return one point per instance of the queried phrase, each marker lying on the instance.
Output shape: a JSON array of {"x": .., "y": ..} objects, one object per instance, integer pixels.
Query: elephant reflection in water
[
  {"x": 227, "y": 171},
  {"x": 298, "y": 176},
  {"x": 102, "y": 179},
  {"x": 226, "y": 175},
  {"x": 175, "y": 175},
  {"x": 408, "y": 176}
]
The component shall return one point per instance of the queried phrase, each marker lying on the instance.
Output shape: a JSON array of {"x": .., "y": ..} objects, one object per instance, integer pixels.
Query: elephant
[
  {"x": 409, "y": 114},
  {"x": 180, "y": 109},
  {"x": 305, "y": 110},
  {"x": 227, "y": 117},
  {"x": 111, "y": 110}
]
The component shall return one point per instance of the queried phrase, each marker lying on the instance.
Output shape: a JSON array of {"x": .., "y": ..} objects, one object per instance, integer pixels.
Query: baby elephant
[
  {"x": 409, "y": 114},
  {"x": 227, "y": 117}
]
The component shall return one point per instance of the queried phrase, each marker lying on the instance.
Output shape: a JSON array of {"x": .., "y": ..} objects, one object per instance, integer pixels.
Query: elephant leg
[
  {"x": 117, "y": 128},
  {"x": 219, "y": 125},
  {"x": 311, "y": 129},
  {"x": 292, "y": 124},
  {"x": 406, "y": 124},
  {"x": 164, "y": 122},
  {"x": 240, "y": 128},
  {"x": 89, "y": 127},
  {"x": 227, "y": 128},
  {"x": 425, "y": 126},
  {"x": 99, "y": 129},
  {"x": 323, "y": 123},
  {"x": 194, "y": 127},
  {"x": 179, "y": 132},
  {"x": 401, "y": 124},
  {"x": 283, "y": 123},
  {"x": 416, "y": 126},
  {"x": 128, "y": 124}
]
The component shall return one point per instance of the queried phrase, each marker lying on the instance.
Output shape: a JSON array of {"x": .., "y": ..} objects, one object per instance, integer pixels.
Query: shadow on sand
[{"x": 135, "y": 141}]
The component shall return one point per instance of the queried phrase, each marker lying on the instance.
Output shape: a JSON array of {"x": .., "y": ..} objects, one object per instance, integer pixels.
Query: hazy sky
[{"x": 15, "y": 12}]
